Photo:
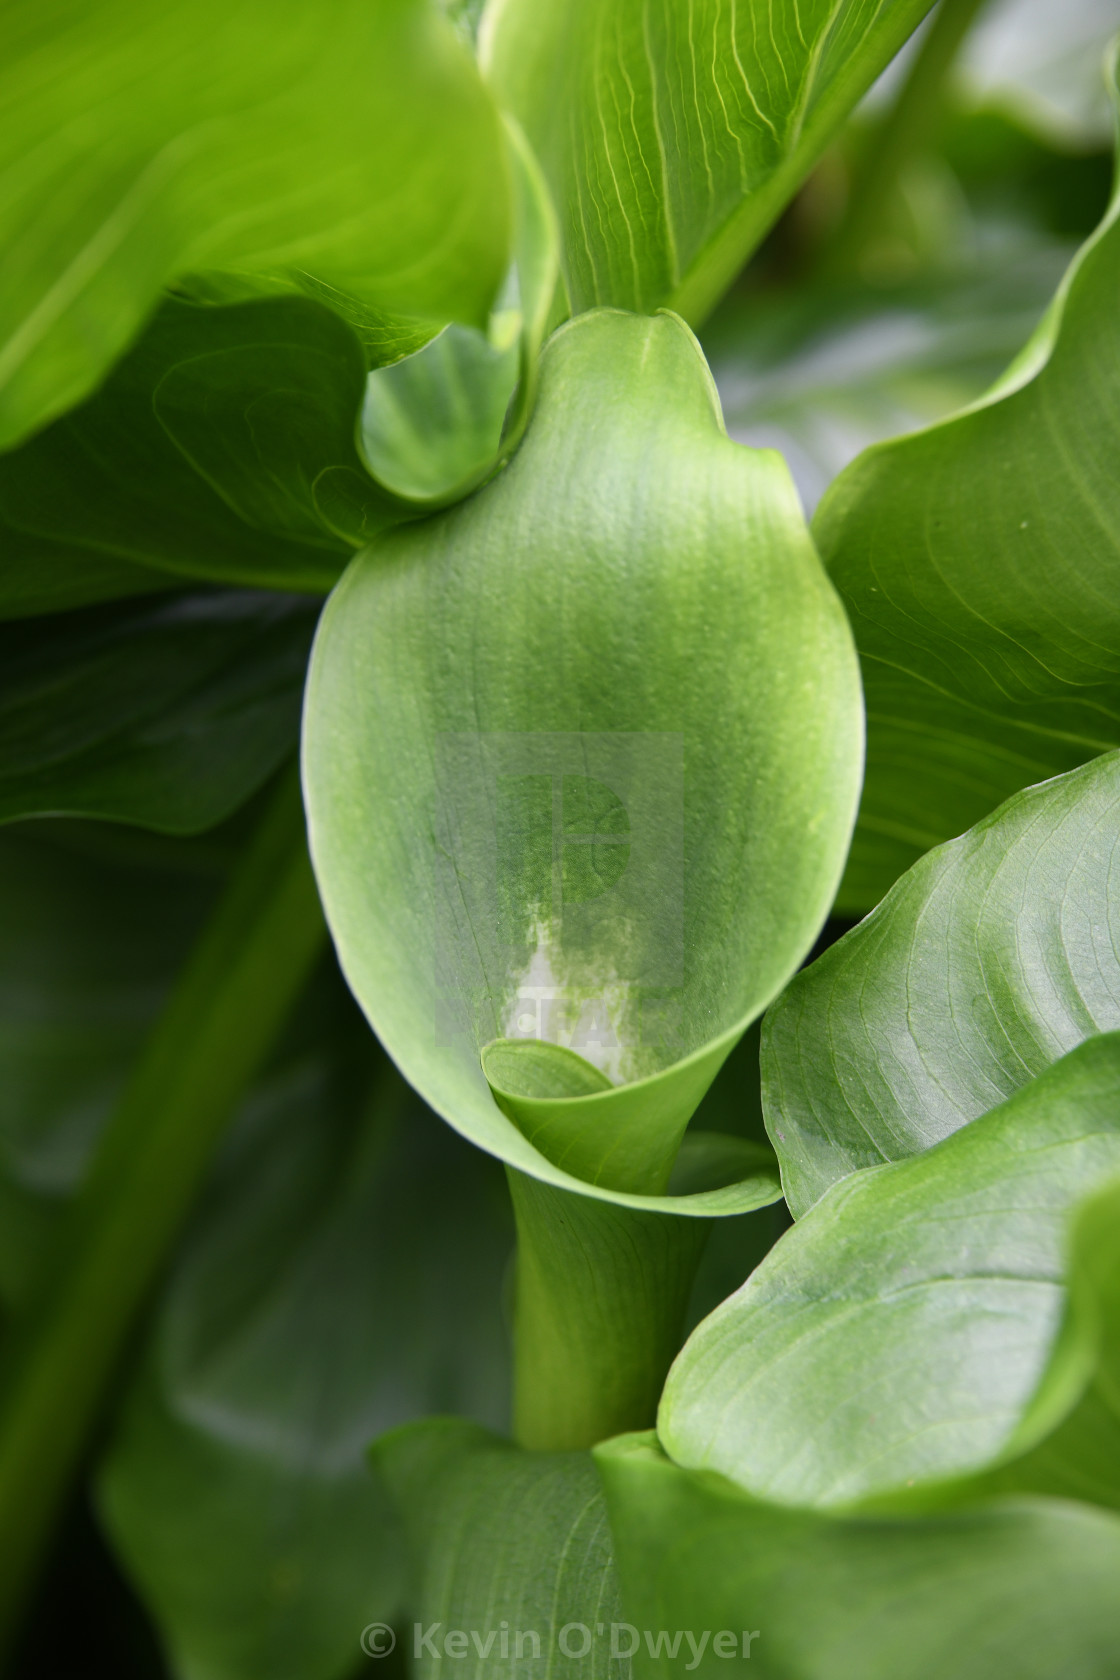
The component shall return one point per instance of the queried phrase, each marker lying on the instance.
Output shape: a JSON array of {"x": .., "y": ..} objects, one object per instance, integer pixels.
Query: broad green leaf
[
  {"x": 348, "y": 141},
  {"x": 979, "y": 564},
  {"x": 262, "y": 402},
  {"x": 224, "y": 445},
  {"x": 899, "y": 1332},
  {"x": 385, "y": 335},
  {"x": 992, "y": 957},
  {"x": 511, "y": 1555},
  {"x": 526, "y": 713},
  {"x": 94, "y": 923},
  {"x": 221, "y": 447},
  {"x": 167, "y": 711},
  {"x": 673, "y": 136},
  {"x": 342, "y": 1275},
  {"x": 1023, "y": 1587}
]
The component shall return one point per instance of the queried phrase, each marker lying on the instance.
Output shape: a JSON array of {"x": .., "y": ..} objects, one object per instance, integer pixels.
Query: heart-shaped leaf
[
  {"x": 352, "y": 142},
  {"x": 980, "y": 564},
  {"x": 673, "y": 136},
  {"x": 990, "y": 958},
  {"x": 1024, "y": 1587},
  {"x": 898, "y": 1334},
  {"x": 580, "y": 757},
  {"x": 168, "y": 711}
]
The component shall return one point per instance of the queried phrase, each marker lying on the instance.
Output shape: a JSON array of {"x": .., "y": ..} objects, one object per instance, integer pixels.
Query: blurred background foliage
[
  {"x": 837, "y": 336},
  {"x": 347, "y": 1268}
]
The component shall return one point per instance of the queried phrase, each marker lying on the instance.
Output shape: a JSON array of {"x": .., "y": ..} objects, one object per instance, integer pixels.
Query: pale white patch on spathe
[{"x": 595, "y": 1020}]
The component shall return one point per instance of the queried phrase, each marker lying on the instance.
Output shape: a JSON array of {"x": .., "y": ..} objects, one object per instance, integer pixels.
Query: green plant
[{"x": 399, "y": 306}]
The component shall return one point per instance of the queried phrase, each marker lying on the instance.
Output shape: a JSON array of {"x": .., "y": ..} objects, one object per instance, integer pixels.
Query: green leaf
[
  {"x": 350, "y": 142},
  {"x": 385, "y": 335},
  {"x": 221, "y": 447},
  {"x": 1076, "y": 1455},
  {"x": 167, "y": 711},
  {"x": 224, "y": 445},
  {"x": 979, "y": 561},
  {"x": 629, "y": 622},
  {"x": 1024, "y": 1587},
  {"x": 343, "y": 1274},
  {"x": 991, "y": 957},
  {"x": 465, "y": 15},
  {"x": 507, "y": 1544},
  {"x": 672, "y": 138},
  {"x": 254, "y": 1403},
  {"x": 96, "y": 921},
  {"x": 898, "y": 1333},
  {"x": 262, "y": 402}
]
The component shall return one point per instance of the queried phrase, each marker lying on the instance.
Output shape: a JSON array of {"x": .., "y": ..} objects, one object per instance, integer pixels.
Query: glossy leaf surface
[
  {"x": 1076, "y": 1455},
  {"x": 990, "y": 958},
  {"x": 672, "y": 137},
  {"x": 166, "y": 711},
  {"x": 979, "y": 562},
  {"x": 1023, "y": 1587},
  {"x": 352, "y": 142},
  {"x": 898, "y": 1334},
  {"x": 618, "y": 655}
]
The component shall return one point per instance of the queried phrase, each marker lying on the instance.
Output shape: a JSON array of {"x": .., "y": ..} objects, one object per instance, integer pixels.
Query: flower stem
[{"x": 602, "y": 1292}]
